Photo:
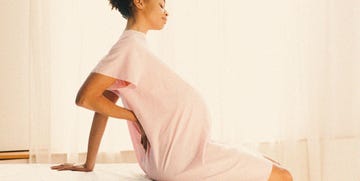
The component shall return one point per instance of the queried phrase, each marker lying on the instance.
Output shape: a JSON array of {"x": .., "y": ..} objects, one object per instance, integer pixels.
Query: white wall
[{"x": 14, "y": 75}]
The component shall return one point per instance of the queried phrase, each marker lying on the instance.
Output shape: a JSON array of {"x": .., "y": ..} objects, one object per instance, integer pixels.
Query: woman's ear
[{"x": 139, "y": 4}]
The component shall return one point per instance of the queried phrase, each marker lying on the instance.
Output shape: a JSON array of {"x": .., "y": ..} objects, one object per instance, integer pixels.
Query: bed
[{"x": 42, "y": 172}]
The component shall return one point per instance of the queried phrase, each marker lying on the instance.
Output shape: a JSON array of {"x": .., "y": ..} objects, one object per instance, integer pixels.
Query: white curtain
[
  {"x": 67, "y": 39},
  {"x": 281, "y": 77}
]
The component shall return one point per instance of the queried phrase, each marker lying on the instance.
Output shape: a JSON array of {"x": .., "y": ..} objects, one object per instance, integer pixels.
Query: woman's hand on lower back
[
  {"x": 72, "y": 167},
  {"x": 144, "y": 139}
]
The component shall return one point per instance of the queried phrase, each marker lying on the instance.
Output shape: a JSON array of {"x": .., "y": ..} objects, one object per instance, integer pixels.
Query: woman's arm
[
  {"x": 94, "y": 96},
  {"x": 95, "y": 136},
  {"x": 96, "y": 133},
  {"x": 91, "y": 96}
]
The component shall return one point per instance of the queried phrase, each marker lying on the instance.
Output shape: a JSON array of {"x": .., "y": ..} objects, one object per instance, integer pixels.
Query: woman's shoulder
[{"x": 129, "y": 44}]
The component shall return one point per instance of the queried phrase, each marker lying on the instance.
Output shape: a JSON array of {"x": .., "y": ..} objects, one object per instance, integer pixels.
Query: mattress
[{"x": 42, "y": 172}]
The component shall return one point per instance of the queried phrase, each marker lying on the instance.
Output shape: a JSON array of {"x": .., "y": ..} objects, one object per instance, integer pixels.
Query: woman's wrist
[
  {"x": 89, "y": 166},
  {"x": 131, "y": 116}
]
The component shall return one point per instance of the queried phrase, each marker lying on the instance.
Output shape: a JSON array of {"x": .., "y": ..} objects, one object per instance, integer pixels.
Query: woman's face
[{"x": 155, "y": 14}]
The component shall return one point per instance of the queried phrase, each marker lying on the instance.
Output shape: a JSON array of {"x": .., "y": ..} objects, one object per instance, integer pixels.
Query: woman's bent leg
[{"x": 280, "y": 174}]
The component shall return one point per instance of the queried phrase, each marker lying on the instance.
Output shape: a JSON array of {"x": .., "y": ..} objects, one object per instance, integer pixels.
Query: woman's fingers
[
  {"x": 139, "y": 125},
  {"x": 56, "y": 167},
  {"x": 64, "y": 166},
  {"x": 81, "y": 168},
  {"x": 72, "y": 167},
  {"x": 144, "y": 139},
  {"x": 60, "y": 166}
]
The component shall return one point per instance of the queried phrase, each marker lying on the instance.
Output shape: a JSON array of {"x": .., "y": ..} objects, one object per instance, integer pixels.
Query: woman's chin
[{"x": 159, "y": 27}]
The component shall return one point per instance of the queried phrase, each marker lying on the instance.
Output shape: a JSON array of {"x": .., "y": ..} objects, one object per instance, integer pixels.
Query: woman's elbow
[
  {"x": 79, "y": 101},
  {"x": 82, "y": 100}
]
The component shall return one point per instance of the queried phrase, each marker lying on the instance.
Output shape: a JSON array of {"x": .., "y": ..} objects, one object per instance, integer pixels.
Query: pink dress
[{"x": 175, "y": 119}]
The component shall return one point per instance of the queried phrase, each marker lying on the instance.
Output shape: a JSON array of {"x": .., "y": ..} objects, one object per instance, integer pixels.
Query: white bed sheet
[{"x": 42, "y": 172}]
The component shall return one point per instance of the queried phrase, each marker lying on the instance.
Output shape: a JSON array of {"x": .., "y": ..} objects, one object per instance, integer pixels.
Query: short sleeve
[{"x": 122, "y": 63}]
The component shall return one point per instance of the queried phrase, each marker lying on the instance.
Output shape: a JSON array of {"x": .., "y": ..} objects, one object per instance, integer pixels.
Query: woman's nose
[{"x": 166, "y": 12}]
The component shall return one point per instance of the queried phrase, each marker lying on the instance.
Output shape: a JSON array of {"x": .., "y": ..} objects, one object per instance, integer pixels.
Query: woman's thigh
[{"x": 280, "y": 174}]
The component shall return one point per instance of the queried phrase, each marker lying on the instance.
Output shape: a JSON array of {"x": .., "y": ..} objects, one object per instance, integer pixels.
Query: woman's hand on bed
[{"x": 72, "y": 167}]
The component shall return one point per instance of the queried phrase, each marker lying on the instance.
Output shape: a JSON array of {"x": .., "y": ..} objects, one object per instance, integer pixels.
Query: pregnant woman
[{"x": 168, "y": 120}]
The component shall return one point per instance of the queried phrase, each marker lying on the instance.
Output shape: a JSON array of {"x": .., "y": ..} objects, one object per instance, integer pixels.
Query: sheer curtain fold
[
  {"x": 39, "y": 81},
  {"x": 281, "y": 78}
]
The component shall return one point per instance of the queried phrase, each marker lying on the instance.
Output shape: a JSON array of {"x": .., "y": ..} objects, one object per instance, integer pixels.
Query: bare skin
[
  {"x": 280, "y": 174},
  {"x": 148, "y": 15}
]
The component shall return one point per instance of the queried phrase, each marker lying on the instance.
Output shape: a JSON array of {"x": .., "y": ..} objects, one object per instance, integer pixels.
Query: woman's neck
[{"x": 133, "y": 24}]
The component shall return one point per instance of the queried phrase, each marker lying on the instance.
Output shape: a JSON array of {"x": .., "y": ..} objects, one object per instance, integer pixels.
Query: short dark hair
[{"x": 125, "y": 7}]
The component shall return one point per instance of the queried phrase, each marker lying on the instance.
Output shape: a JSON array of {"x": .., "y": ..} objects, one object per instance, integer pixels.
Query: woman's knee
[{"x": 280, "y": 174}]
